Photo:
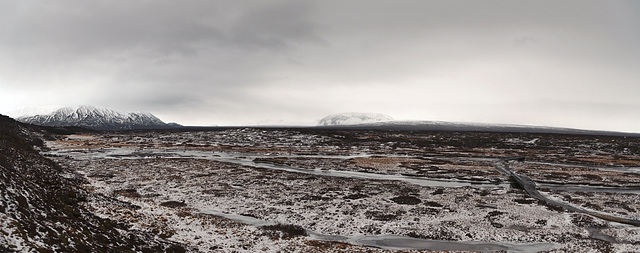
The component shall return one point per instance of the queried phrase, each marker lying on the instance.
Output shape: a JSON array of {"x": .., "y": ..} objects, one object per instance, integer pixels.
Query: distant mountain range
[
  {"x": 377, "y": 121},
  {"x": 353, "y": 118},
  {"x": 96, "y": 118},
  {"x": 473, "y": 127}
]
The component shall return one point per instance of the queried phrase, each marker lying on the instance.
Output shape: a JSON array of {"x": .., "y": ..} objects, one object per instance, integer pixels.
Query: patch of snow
[{"x": 353, "y": 118}]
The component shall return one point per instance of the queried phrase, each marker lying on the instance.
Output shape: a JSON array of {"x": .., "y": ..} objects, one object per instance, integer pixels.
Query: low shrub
[
  {"x": 406, "y": 200},
  {"x": 173, "y": 204},
  {"x": 283, "y": 231}
]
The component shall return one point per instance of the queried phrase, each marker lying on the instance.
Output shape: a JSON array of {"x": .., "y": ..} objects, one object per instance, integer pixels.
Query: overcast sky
[{"x": 554, "y": 63}]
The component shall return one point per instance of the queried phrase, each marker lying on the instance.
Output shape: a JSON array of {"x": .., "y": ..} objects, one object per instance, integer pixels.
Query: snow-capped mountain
[
  {"x": 353, "y": 118},
  {"x": 96, "y": 118},
  {"x": 422, "y": 125}
]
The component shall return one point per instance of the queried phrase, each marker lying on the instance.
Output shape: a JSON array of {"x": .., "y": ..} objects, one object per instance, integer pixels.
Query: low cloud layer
[{"x": 567, "y": 63}]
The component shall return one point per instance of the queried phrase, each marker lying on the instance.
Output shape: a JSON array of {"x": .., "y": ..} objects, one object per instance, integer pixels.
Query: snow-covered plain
[{"x": 214, "y": 190}]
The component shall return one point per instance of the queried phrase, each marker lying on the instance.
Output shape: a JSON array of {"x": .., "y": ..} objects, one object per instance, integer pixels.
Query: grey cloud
[
  {"x": 275, "y": 25},
  {"x": 298, "y": 60},
  {"x": 163, "y": 26}
]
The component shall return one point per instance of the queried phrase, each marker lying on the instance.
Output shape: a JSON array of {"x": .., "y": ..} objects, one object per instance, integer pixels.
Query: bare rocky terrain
[
  {"x": 40, "y": 208},
  {"x": 306, "y": 190}
]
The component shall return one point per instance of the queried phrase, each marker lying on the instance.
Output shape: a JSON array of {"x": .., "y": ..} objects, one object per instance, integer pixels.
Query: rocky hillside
[
  {"x": 40, "y": 204},
  {"x": 96, "y": 118}
]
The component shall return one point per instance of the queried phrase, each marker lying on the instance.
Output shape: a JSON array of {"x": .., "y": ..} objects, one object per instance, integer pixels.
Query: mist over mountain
[
  {"x": 353, "y": 118},
  {"x": 96, "y": 118}
]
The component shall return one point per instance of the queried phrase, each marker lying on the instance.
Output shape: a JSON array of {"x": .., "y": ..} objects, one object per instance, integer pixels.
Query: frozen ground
[{"x": 351, "y": 190}]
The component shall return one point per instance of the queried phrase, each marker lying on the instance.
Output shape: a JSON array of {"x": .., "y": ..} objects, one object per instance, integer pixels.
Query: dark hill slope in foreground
[{"x": 39, "y": 204}]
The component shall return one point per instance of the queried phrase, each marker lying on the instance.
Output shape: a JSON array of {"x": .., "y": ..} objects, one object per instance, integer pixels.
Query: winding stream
[
  {"x": 395, "y": 242},
  {"x": 247, "y": 160},
  {"x": 530, "y": 187},
  {"x": 382, "y": 241}
]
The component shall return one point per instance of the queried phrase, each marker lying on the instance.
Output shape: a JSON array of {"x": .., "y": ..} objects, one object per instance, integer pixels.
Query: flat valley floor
[{"x": 310, "y": 190}]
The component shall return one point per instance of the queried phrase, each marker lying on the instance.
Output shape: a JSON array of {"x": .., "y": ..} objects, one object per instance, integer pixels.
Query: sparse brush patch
[
  {"x": 438, "y": 192},
  {"x": 355, "y": 196},
  {"x": 436, "y": 234},
  {"x": 406, "y": 200},
  {"x": 414, "y": 234},
  {"x": 382, "y": 216},
  {"x": 433, "y": 204},
  {"x": 593, "y": 206},
  {"x": 101, "y": 174},
  {"x": 173, "y": 204},
  {"x": 492, "y": 216},
  {"x": 283, "y": 231},
  {"x": 524, "y": 201},
  {"x": 327, "y": 245},
  {"x": 551, "y": 207},
  {"x": 130, "y": 193},
  {"x": 621, "y": 205},
  {"x": 250, "y": 215},
  {"x": 406, "y": 191},
  {"x": 312, "y": 197}
]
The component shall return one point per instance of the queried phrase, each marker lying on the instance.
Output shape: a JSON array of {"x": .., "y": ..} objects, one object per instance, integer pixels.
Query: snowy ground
[{"x": 216, "y": 190}]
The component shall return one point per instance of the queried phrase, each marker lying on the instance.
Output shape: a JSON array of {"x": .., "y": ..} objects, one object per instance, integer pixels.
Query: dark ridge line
[
  {"x": 498, "y": 130},
  {"x": 462, "y": 127},
  {"x": 436, "y": 126},
  {"x": 530, "y": 187}
]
